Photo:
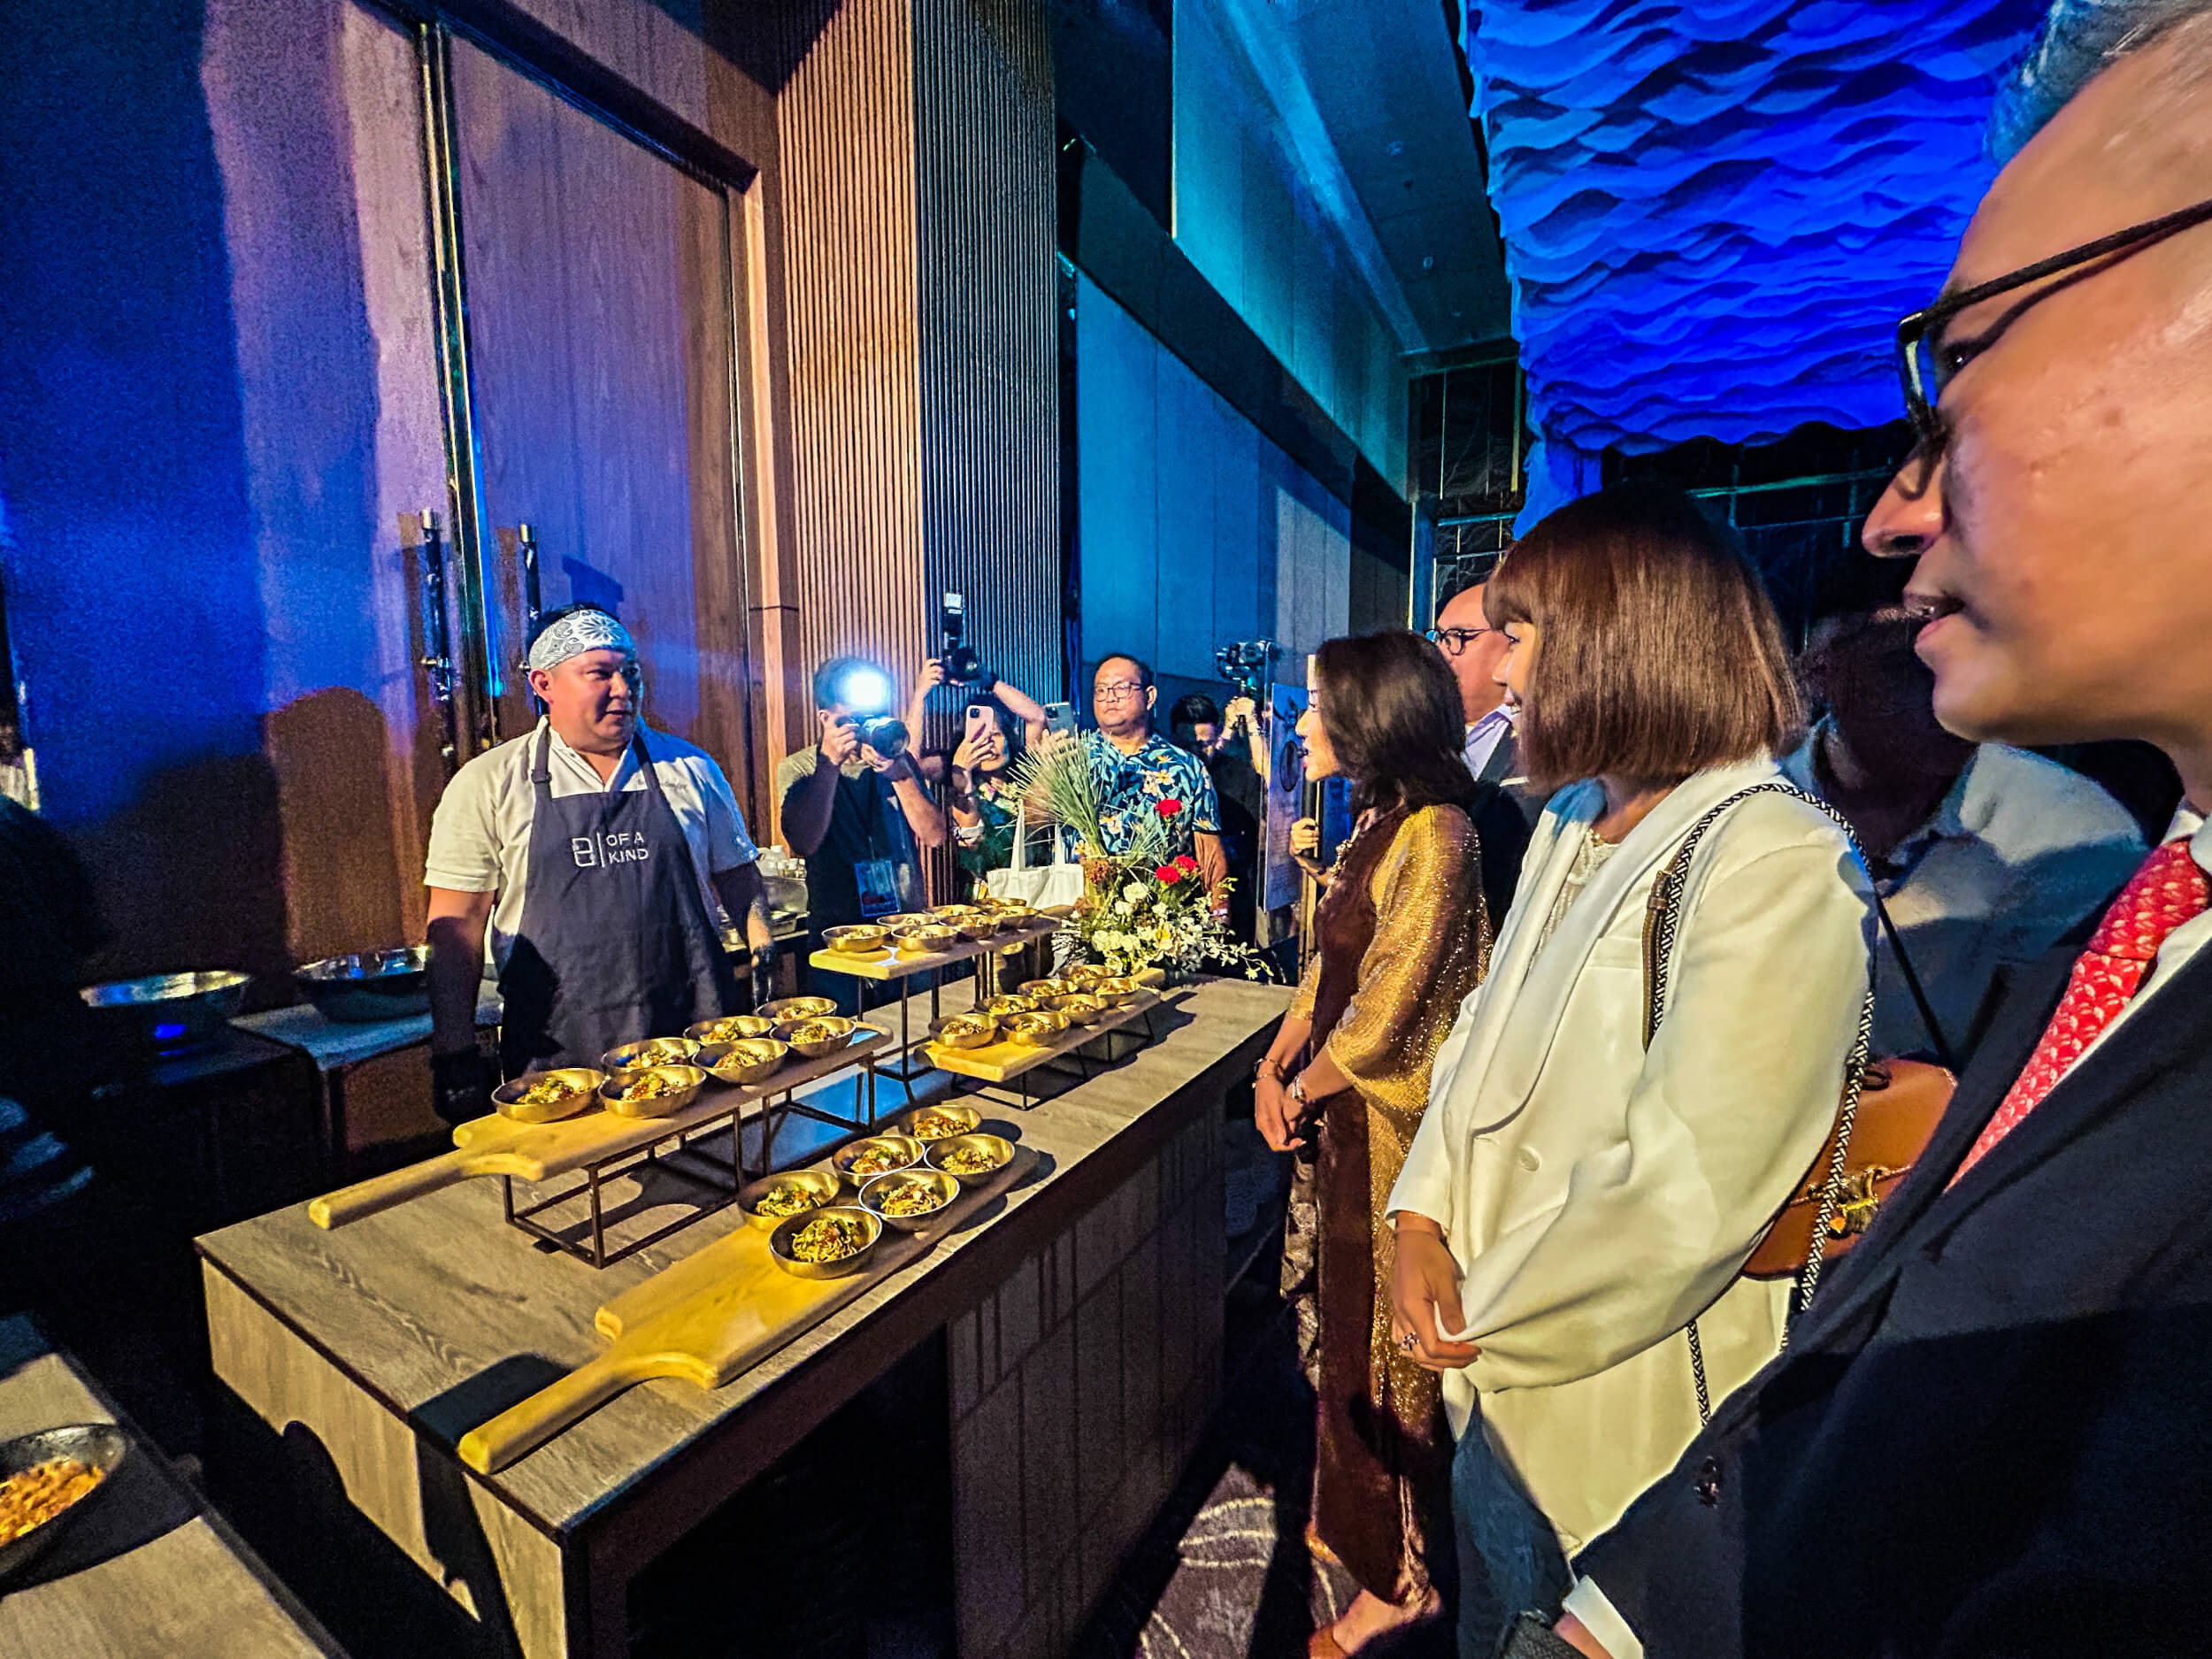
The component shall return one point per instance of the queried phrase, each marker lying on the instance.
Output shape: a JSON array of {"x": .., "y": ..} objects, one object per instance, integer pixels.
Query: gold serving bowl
[
  {"x": 1040, "y": 1025},
  {"x": 1083, "y": 975},
  {"x": 653, "y": 1091},
  {"x": 783, "y": 1241},
  {"x": 903, "y": 920},
  {"x": 814, "y": 1188},
  {"x": 578, "y": 1086},
  {"x": 754, "y": 1060},
  {"x": 972, "y": 924},
  {"x": 816, "y": 1036},
  {"x": 1115, "y": 991},
  {"x": 952, "y": 1157},
  {"x": 925, "y": 938},
  {"x": 1079, "y": 1009},
  {"x": 999, "y": 1007},
  {"x": 859, "y": 941},
  {"x": 799, "y": 1008},
  {"x": 891, "y": 1152},
  {"x": 651, "y": 1051},
  {"x": 730, "y": 1028},
  {"x": 906, "y": 1199},
  {"x": 1045, "y": 990},
  {"x": 1013, "y": 912},
  {"x": 965, "y": 1031},
  {"x": 926, "y": 1124}
]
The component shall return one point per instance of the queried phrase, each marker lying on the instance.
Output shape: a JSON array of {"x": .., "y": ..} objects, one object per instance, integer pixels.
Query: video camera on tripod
[{"x": 1244, "y": 663}]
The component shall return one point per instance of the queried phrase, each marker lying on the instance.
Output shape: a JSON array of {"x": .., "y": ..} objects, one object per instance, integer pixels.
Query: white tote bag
[{"x": 1043, "y": 886}]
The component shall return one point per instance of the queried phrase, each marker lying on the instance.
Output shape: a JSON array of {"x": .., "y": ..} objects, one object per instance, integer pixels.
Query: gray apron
[{"x": 616, "y": 942}]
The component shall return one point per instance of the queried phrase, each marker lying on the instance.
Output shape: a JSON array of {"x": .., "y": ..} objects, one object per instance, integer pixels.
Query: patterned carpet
[{"x": 1224, "y": 1572}]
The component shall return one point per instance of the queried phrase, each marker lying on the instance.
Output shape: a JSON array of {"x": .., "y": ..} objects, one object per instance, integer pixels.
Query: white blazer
[{"x": 1597, "y": 1197}]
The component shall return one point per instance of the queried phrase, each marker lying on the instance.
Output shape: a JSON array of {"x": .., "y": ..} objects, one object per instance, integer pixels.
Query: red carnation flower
[
  {"x": 1169, "y": 809},
  {"x": 1168, "y": 875},
  {"x": 1187, "y": 865}
]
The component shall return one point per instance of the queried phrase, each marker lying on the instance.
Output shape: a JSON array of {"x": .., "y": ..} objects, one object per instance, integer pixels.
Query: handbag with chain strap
[{"x": 1887, "y": 1115}]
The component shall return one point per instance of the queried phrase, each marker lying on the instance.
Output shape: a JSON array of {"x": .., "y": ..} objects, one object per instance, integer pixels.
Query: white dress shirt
[
  {"x": 2020, "y": 851},
  {"x": 1484, "y": 736},
  {"x": 1585, "y": 1600},
  {"x": 479, "y": 837}
]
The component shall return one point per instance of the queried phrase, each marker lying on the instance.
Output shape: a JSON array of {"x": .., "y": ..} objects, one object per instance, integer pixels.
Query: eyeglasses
[
  {"x": 1115, "y": 690},
  {"x": 1456, "y": 639},
  {"x": 1926, "y": 362}
]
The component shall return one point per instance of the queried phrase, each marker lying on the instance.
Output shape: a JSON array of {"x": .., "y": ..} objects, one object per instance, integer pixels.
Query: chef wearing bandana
[{"x": 596, "y": 854}]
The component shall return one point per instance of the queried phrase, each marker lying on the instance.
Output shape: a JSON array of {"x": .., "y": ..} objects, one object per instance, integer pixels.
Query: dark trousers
[{"x": 1508, "y": 1555}]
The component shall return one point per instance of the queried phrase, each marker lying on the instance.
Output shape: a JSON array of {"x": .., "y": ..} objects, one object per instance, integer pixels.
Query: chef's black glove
[
  {"x": 764, "y": 975},
  {"x": 460, "y": 1084}
]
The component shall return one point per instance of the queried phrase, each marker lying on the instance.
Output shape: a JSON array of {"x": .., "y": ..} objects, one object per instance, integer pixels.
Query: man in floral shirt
[{"x": 1140, "y": 775}]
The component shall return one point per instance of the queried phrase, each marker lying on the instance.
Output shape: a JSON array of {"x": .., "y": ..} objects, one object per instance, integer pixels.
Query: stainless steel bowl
[
  {"x": 583, "y": 1082},
  {"x": 730, "y": 1028},
  {"x": 620, "y": 1093},
  {"x": 754, "y": 1060},
  {"x": 904, "y": 1149},
  {"x": 996, "y": 1148},
  {"x": 941, "y": 1188},
  {"x": 168, "y": 1010},
  {"x": 649, "y": 1051},
  {"x": 101, "y": 1445},
  {"x": 780, "y": 1242},
  {"x": 371, "y": 985},
  {"x": 820, "y": 1187}
]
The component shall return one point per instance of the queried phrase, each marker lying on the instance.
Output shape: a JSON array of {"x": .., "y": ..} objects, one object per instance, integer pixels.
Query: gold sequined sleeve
[
  {"x": 1430, "y": 947},
  {"x": 1309, "y": 988}
]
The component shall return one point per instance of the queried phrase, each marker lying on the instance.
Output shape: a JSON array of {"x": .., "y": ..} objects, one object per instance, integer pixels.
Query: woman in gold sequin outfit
[{"x": 1403, "y": 939}]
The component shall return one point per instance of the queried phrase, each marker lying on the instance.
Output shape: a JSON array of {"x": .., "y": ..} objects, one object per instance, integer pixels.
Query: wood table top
[
  {"x": 149, "y": 1570},
  {"x": 448, "y": 1316}
]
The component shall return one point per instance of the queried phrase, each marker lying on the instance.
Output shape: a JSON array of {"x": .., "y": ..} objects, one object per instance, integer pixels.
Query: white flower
[
  {"x": 1125, "y": 908},
  {"x": 1132, "y": 893}
]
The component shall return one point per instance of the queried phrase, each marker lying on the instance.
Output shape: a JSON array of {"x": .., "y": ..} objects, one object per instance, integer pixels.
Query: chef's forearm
[
  {"x": 456, "y": 937},
  {"x": 744, "y": 895},
  {"x": 806, "y": 816}
]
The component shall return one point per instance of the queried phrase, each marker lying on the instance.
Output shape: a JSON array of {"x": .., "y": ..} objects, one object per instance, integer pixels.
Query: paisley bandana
[{"x": 579, "y": 632}]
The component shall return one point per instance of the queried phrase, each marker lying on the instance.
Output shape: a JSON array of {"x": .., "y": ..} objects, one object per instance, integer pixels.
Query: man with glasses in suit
[
  {"x": 1992, "y": 1430},
  {"x": 1502, "y": 814}
]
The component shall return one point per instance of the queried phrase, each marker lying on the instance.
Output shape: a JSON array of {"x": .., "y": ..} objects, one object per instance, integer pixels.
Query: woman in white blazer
[{"x": 1573, "y": 1199}]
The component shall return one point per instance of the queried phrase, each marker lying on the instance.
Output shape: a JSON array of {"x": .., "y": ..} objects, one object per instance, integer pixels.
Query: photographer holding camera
[{"x": 854, "y": 805}]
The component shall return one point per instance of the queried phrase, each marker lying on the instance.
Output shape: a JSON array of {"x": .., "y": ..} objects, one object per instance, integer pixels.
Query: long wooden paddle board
[
  {"x": 495, "y": 1145},
  {"x": 706, "y": 1319}
]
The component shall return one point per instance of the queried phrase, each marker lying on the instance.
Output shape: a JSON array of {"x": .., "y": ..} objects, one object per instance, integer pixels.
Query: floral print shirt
[{"x": 1130, "y": 788}]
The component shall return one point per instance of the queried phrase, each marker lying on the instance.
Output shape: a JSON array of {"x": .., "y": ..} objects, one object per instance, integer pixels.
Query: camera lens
[{"x": 886, "y": 736}]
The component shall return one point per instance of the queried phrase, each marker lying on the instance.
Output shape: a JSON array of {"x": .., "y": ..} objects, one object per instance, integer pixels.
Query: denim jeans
[{"x": 1508, "y": 1555}]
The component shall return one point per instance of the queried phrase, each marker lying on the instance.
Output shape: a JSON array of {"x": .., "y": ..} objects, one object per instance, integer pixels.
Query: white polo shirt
[{"x": 479, "y": 837}]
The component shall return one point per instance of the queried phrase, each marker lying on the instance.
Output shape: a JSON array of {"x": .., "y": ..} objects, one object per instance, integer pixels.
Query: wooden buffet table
[
  {"x": 1086, "y": 1305},
  {"x": 149, "y": 1572}
]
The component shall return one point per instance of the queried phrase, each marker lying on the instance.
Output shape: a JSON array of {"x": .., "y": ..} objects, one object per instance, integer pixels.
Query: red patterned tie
[{"x": 2165, "y": 892}]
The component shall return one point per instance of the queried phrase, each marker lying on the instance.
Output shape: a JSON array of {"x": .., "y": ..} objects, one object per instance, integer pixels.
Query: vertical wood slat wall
[{"x": 919, "y": 218}]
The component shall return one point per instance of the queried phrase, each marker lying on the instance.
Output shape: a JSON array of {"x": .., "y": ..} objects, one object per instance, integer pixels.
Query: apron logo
[{"x": 623, "y": 847}]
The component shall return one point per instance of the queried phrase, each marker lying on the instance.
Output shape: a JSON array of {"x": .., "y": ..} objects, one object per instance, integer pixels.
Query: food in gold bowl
[
  {"x": 973, "y": 1159},
  {"x": 877, "y": 1155},
  {"x": 1079, "y": 1008},
  {"x": 973, "y": 923},
  {"x": 1040, "y": 1027},
  {"x": 813, "y": 1038},
  {"x": 33, "y": 1496},
  {"x": 752, "y": 1061},
  {"x": 1045, "y": 990},
  {"x": 856, "y": 941},
  {"x": 826, "y": 1243},
  {"x": 799, "y": 1008},
  {"x": 905, "y": 920},
  {"x": 925, "y": 938},
  {"x": 906, "y": 1199},
  {"x": 544, "y": 1097},
  {"x": 965, "y": 1031},
  {"x": 652, "y": 1051},
  {"x": 1082, "y": 975},
  {"x": 775, "y": 1198},
  {"x": 730, "y": 1028},
  {"x": 1115, "y": 990},
  {"x": 999, "y": 1007},
  {"x": 940, "y": 1123},
  {"x": 654, "y": 1092}
]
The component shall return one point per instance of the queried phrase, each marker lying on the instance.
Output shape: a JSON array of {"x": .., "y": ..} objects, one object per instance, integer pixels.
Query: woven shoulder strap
[{"x": 1663, "y": 919}]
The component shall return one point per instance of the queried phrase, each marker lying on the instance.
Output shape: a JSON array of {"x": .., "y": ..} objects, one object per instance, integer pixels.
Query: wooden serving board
[
  {"x": 707, "y": 1320},
  {"x": 1004, "y": 1062},
  {"x": 887, "y": 963},
  {"x": 495, "y": 1145}
]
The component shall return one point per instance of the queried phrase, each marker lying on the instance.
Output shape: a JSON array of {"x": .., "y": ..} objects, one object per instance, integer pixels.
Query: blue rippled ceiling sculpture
[{"x": 1714, "y": 212}]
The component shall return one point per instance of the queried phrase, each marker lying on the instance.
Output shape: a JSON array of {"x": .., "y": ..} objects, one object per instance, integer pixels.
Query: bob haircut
[
  {"x": 1392, "y": 710},
  {"x": 1657, "y": 652}
]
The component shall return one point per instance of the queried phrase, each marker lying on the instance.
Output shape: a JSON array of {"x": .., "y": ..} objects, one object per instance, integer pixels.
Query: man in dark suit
[
  {"x": 1472, "y": 650},
  {"x": 1992, "y": 1433}
]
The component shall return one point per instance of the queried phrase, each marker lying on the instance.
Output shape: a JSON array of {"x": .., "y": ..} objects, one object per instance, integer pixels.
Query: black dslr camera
[
  {"x": 1245, "y": 663},
  {"x": 962, "y": 666}
]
